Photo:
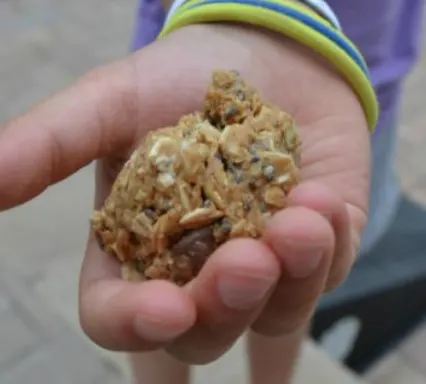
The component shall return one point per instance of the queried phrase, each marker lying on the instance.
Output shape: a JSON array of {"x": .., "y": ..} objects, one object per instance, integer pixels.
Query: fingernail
[
  {"x": 303, "y": 263},
  {"x": 243, "y": 292},
  {"x": 154, "y": 331}
]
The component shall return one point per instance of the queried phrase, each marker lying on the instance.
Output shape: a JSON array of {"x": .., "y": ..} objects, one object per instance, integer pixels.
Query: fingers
[
  {"x": 316, "y": 242},
  {"x": 124, "y": 316},
  {"x": 229, "y": 294},
  {"x": 231, "y": 290},
  {"x": 329, "y": 204},
  {"x": 303, "y": 240}
]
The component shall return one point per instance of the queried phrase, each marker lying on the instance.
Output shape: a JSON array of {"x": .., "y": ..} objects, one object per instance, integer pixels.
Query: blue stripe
[{"x": 312, "y": 23}]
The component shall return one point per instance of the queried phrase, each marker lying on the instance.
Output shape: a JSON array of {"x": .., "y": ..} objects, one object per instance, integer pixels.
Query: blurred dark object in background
[{"x": 384, "y": 297}]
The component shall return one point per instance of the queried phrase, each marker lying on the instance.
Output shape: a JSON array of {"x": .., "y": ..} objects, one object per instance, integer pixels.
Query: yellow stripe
[
  {"x": 290, "y": 4},
  {"x": 294, "y": 6}
]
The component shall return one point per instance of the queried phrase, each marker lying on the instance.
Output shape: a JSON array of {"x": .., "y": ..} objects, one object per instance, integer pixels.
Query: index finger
[{"x": 67, "y": 132}]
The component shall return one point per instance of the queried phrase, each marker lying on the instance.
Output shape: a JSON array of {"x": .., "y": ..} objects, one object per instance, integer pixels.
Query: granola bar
[{"x": 218, "y": 174}]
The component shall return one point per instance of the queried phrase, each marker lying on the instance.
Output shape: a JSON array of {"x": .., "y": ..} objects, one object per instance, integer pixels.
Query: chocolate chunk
[{"x": 197, "y": 244}]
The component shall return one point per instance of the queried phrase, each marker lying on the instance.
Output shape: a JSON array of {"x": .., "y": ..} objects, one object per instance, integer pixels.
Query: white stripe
[
  {"x": 319, "y": 6},
  {"x": 324, "y": 10},
  {"x": 175, "y": 6}
]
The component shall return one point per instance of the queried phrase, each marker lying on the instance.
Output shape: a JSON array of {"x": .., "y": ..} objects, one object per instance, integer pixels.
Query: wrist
[
  {"x": 293, "y": 21},
  {"x": 276, "y": 65}
]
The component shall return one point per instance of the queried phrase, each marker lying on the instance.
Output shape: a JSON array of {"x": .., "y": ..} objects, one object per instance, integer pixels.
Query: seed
[
  {"x": 225, "y": 226},
  {"x": 255, "y": 158},
  {"x": 263, "y": 208},
  {"x": 239, "y": 178},
  {"x": 237, "y": 172},
  {"x": 140, "y": 265},
  {"x": 240, "y": 95},
  {"x": 269, "y": 172},
  {"x": 230, "y": 112},
  {"x": 150, "y": 213},
  {"x": 166, "y": 180},
  {"x": 200, "y": 217},
  {"x": 246, "y": 206},
  {"x": 283, "y": 179}
]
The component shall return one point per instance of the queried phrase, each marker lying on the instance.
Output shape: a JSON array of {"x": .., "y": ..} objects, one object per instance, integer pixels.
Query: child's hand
[{"x": 271, "y": 285}]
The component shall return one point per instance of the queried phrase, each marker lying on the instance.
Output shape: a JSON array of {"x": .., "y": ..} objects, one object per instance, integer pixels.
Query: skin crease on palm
[{"x": 106, "y": 114}]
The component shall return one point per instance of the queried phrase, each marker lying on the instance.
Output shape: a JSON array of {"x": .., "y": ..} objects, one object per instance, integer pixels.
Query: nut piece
[{"x": 217, "y": 175}]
